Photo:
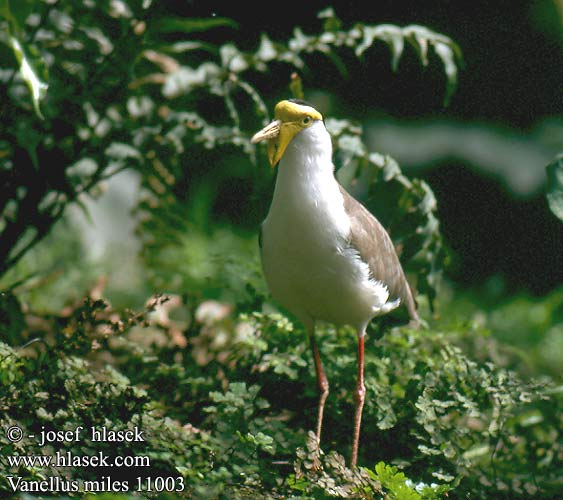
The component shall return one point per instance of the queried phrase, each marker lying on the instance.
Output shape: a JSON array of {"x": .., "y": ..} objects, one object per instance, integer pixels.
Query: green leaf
[
  {"x": 191, "y": 25},
  {"x": 447, "y": 55},
  {"x": 390, "y": 34},
  {"x": 554, "y": 190},
  {"x": 395, "y": 481},
  {"x": 31, "y": 66},
  {"x": 189, "y": 45},
  {"x": 122, "y": 151},
  {"x": 420, "y": 37},
  {"x": 445, "y": 48},
  {"x": 297, "y": 483},
  {"x": 332, "y": 22}
]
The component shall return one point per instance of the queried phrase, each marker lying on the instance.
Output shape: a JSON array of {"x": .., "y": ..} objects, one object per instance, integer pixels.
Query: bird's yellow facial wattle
[{"x": 291, "y": 117}]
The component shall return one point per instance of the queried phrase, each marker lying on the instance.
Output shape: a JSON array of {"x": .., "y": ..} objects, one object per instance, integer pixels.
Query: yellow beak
[{"x": 279, "y": 135}]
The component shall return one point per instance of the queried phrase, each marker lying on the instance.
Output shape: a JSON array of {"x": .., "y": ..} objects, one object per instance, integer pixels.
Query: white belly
[{"x": 309, "y": 266}]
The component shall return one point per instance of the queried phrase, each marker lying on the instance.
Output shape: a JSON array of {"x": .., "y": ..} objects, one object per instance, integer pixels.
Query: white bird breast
[{"x": 307, "y": 260}]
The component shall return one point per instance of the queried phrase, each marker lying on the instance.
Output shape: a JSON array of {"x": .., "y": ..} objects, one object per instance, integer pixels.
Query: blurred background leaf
[{"x": 555, "y": 186}]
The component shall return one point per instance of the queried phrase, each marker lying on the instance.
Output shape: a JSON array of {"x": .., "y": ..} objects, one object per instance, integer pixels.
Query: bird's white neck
[
  {"x": 306, "y": 171},
  {"x": 306, "y": 190}
]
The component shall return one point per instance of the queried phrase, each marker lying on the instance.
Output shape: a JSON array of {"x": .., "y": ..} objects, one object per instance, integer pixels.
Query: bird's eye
[{"x": 307, "y": 120}]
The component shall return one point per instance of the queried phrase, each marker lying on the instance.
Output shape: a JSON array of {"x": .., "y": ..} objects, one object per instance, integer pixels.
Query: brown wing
[{"x": 375, "y": 247}]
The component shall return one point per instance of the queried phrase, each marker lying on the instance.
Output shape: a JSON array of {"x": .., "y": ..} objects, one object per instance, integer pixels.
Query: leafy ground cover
[{"x": 227, "y": 401}]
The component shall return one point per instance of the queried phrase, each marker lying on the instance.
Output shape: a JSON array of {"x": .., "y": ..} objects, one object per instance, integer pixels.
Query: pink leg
[
  {"x": 359, "y": 397},
  {"x": 322, "y": 383}
]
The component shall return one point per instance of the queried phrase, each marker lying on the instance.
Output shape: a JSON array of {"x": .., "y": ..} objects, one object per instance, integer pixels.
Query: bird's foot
[
  {"x": 317, "y": 463},
  {"x": 314, "y": 451}
]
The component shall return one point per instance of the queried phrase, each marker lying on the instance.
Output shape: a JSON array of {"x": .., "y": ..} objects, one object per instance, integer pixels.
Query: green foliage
[
  {"x": 401, "y": 487},
  {"x": 230, "y": 410},
  {"x": 412, "y": 202},
  {"x": 31, "y": 66},
  {"x": 221, "y": 265},
  {"x": 331, "y": 478},
  {"x": 88, "y": 51},
  {"x": 529, "y": 327},
  {"x": 176, "y": 112}
]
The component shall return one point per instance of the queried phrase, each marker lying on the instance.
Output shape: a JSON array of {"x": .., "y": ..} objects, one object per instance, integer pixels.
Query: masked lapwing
[{"x": 325, "y": 257}]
